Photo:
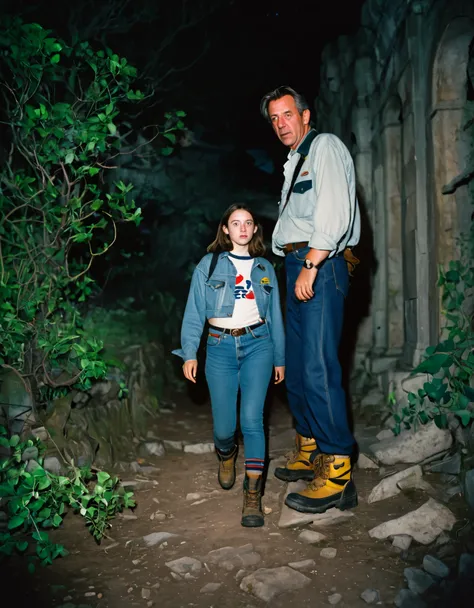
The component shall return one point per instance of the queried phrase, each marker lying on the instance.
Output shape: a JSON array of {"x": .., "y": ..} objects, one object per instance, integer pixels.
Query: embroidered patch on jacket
[
  {"x": 304, "y": 173},
  {"x": 265, "y": 281}
]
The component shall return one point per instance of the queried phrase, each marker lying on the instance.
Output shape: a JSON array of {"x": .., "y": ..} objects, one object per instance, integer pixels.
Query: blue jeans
[
  {"x": 244, "y": 362},
  {"x": 313, "y": 372}
]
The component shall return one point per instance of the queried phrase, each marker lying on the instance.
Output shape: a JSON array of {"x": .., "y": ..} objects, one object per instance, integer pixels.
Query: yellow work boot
[
  {"x": 332, "y": 486},
  {"x": 299, "y": 465},
  {"x": 226, "y": 473},
  {"x": 252, "y": 514}
]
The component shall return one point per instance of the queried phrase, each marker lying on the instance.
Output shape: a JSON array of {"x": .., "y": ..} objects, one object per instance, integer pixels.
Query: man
[{"x": 318, "y": 219}]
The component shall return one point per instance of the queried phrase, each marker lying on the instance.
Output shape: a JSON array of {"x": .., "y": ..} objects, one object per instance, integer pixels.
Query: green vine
[{"x": 36, "y": 500}]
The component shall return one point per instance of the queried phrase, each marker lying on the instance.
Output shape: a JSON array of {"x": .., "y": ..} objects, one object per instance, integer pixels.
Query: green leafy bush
[
  {"x": 449, "y": 364},
  {"x": 61, "y": 133},
  {"x": 35, "y": 500}
]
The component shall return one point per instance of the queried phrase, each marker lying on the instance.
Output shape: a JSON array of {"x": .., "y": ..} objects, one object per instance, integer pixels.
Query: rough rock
[
  {"x": 52, "y": 464},
  {"x": 152, "y": 448},
  {"x": 305, "y": 564},
  {"x": 328, "y": 552},
  {"x": 413, "y": 446},
  {"x": 402, "y": 542},
  {"x": 193, "y": 496},
  {"x": 408, "y": 599},
  {"x": 267, "y": 583},
  {"x": 334, "y": 599},
  {"x": 173, "y": 445},
  {"x": 234, "y": 557},
  {"x": 424, "y": 524},
  {"x": 370, "y": 596},
  {"x": 450, "y": 465},
  {"x": 184, "y": 565},
  {"x": 30, "y": 453},
  {"x": 469, "y": 489},
  {"x": 157, "y": 537},
  {"x": 40, "y": 433},
  {"x": 211, "y": 587},
  {"x": 199, "y": 448},
  {"x": 435, "y": 566},
  {"x": 364, "y": 462},
  {"x": 385, "y": 434},
  {"x": 418, "y": 580},
  {"x": 310, "y": 537},
  {"x": 289, "y": 518},
  {"x": 389, "y": 485},
  {"x": 466, "y": 566}
]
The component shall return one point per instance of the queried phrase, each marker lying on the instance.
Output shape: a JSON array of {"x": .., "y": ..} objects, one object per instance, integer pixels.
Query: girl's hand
[
  {"x": 190, "y": 370},
  {"x": 279, "y": 374}
]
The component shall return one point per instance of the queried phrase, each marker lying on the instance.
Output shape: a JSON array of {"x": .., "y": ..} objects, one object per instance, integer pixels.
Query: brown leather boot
[
  {"x": 226, "y": 473},
  {"x": 252, "y": 514}
]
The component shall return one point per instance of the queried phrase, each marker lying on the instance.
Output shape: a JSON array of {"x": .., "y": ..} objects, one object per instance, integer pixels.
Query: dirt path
[{"x": 127, "y": 572}]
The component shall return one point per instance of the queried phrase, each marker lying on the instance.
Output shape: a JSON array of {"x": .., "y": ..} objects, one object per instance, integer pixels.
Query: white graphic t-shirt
[{"x": 245, "y": 308}]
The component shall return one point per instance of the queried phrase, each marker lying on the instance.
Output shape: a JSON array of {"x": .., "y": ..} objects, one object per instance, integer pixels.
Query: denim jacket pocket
[{"x": 215, "y": 294}]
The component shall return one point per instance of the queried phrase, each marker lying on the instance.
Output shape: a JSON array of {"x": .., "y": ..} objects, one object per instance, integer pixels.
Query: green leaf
[
  {"x": 55, "y": 58},
  {"x": 102, "y": 477},
  {"x": 112, "y": 128},
  {"x": 166, "y": 151},
  {"x": 31, "y": 568},
  {"x": 40, "y": 536},
  {"x": 57, "y": 520},
  {"x": 464, "y": 415},
  {"x": 69, "y": 158},
  {"x": 15, "y": 522},
  {"x": 171, "y": 137},
  {"x": 14, "y": 440},
  {"x": 433, "y": 364},
  {"x": 180, "y": 113},
  {"x": 22, "y": 545},
  {"x": 93, "y": 171}
]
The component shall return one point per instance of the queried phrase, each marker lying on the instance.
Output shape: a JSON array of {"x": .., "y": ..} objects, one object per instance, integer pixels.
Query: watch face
[{"x": 308, "y": 264}]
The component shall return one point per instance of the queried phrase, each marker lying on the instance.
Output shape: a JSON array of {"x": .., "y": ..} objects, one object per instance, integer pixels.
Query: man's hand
[
  {"x": 279, "y": 374},
  {"x": 304, "y": 284},
  {"x": 190, "y": 370}
]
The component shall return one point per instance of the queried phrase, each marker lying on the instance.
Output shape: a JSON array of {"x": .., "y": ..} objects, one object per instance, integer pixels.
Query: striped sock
[{"x": 254, "y": 466}]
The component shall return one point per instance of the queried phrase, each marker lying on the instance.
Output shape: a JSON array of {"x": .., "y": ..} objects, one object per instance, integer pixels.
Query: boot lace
[
  {"x": 252, "y": 500},
  {"x": 321, "y": 471}
]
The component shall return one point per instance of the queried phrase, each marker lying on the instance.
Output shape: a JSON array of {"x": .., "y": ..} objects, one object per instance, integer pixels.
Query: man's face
[{"x": 289, "y": 125}]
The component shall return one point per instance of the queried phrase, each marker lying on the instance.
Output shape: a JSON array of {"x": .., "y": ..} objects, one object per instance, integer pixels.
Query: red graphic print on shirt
[{"x": 243, "y": 289}]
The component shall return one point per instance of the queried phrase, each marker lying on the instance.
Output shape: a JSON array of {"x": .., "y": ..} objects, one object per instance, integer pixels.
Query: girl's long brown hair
[{"x": 222, "y": 241}]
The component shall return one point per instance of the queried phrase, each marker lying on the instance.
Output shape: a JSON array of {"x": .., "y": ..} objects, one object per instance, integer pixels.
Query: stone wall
[{"x": 396, "y": 94}]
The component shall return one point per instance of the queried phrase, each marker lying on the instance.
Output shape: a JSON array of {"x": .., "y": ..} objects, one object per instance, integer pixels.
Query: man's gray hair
[{"x": 278, "y": 93}]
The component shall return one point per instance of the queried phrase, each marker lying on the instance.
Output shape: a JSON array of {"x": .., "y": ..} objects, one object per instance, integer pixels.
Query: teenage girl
[{"x": 235, "y": 289}]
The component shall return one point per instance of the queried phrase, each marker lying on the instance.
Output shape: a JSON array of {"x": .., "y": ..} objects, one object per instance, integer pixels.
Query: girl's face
[{"x": 240, "y": 228}]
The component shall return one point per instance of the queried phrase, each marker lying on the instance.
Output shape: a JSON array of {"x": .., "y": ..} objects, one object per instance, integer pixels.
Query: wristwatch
[{"x": 308, "y": 264}]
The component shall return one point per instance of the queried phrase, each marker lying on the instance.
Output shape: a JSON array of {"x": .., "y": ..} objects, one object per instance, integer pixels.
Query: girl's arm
[
  {"x": 194, "y": 318},
  {"x": 277, "y": 330}
]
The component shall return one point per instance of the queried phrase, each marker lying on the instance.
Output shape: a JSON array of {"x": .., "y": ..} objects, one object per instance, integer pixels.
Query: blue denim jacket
[{"x": 215, "y": 298}]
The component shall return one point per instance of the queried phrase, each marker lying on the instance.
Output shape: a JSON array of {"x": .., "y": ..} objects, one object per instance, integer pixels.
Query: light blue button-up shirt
[{"x": 323, "y": 207}]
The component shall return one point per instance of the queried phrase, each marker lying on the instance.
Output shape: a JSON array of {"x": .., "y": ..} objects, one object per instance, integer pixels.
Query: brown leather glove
[{"x": 351, "y": 260}]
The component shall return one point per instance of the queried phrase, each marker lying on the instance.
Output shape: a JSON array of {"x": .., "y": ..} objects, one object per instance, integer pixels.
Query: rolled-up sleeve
[{"x": 333, "y": 210}]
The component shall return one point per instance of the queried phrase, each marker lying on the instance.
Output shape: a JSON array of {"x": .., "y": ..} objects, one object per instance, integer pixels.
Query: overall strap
[{"x": 304, "y": 147}]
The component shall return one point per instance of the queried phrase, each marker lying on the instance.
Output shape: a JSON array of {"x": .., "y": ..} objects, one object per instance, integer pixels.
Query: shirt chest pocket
[
  {"x": 300, "y": 204},
  {"x": 215, "y": 291}
]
